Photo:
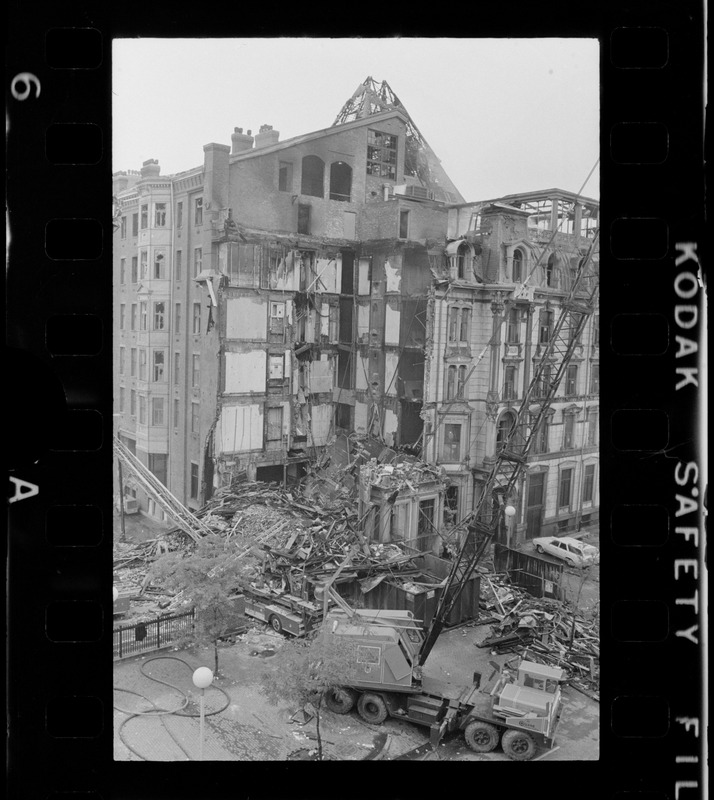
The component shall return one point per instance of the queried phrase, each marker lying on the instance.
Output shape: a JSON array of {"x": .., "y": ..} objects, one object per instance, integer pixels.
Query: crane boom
[{"x": 483, "y": 521}]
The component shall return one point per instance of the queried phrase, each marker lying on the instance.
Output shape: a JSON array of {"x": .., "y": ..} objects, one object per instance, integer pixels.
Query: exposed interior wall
[
  {"x": 245, "y": 372},
  {"x": 246, "y": 318},
  {"x": 240, "y": 428}
]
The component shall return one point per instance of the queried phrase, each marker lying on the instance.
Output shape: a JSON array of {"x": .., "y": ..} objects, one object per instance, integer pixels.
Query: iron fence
[{"x": 130, "y": 640}]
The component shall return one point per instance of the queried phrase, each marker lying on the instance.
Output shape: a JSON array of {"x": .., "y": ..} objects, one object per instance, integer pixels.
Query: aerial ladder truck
[{"x": 522, "y": 710}]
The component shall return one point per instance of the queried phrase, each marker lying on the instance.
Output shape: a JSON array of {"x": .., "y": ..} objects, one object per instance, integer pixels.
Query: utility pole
[{"x": 121, "y": 502}]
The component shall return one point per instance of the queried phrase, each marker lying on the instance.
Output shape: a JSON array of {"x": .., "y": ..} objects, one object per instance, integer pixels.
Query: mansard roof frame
[{"x": 314, "y": 135}]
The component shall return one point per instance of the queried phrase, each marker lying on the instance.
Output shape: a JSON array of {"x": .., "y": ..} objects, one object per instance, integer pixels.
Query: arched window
[
  {"x": 464, "y": 261},
  {"x": 517, "y": 266},
  {"x": 313, "y": 176},
  {"x": 505, "y": 426},
  {"x": 340, "y": 181},
  {"x": 461, "y": 390},
  {"x": 550, "y": 276}
]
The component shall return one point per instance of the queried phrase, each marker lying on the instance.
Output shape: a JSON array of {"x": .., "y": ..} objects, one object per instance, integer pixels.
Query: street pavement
[{"x": 251, "y": 729}]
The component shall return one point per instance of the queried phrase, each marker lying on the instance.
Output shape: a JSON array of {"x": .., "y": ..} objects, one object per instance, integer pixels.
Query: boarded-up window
[
  {"x": 313, "y": 176},
  {"x": 274, "y": 431},
  {"x": 349, "y": 225}
]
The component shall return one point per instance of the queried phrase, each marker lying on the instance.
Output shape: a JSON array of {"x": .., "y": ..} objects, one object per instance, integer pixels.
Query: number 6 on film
[{"x": 28, "y": 79}]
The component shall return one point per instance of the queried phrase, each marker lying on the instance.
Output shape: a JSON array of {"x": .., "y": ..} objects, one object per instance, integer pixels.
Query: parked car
[{"x": 572, "y": 551}]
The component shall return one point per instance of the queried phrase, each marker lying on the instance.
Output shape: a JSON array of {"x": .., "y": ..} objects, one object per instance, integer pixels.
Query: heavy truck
[{"x": 521, "y": 710}]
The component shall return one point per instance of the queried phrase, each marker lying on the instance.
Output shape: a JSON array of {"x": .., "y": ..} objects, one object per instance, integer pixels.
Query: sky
[{"x": 502, "y": 115}]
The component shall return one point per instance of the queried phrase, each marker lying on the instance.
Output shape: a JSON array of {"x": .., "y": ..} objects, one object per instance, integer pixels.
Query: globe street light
[
  {"x": 202, "y": 679},
  {"x": 510, "y": 512}
]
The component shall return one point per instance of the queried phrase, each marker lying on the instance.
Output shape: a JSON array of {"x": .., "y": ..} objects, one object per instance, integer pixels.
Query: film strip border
[{"x": 653, "y": 394}]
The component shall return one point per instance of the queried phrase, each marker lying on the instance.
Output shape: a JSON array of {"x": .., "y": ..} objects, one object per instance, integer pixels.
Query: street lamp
[
  {"x": 510, "y": 512},
  {"x": 202, "y": 679}
]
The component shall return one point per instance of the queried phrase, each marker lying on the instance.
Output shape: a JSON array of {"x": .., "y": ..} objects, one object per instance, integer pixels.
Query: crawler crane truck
[{"x": 521, "y": 710}]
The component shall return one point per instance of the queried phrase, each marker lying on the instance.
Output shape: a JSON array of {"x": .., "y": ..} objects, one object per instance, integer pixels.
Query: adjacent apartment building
[{"x": 283, "y": 292}]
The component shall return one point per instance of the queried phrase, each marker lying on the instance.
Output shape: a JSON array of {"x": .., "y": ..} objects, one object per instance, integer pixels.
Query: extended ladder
[{"x": 183, "y": 518}]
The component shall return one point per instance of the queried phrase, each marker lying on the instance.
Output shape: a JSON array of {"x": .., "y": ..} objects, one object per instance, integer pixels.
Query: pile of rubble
[{"x": 541, "y": 630}]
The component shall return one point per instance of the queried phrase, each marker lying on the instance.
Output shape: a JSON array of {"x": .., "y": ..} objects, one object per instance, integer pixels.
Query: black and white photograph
[{"x": 356, "y": 378}]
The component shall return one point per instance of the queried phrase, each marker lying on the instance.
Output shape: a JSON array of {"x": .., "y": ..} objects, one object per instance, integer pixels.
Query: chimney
[
  {"x": 241, "y": 141},
  {"x": 120, "y": 181},
  {"x": 266, "y": 136},
  {"x": 150, "y": 168}
]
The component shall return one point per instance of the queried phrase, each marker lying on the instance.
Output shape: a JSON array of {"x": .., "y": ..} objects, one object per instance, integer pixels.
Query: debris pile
[{"x": 542, "y": 630}]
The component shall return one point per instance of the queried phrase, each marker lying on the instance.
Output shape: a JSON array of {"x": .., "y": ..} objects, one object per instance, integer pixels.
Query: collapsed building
[{"x": 283, "y": 294}]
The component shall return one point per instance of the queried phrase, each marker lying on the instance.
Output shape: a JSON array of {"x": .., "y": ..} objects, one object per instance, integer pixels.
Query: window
[
  {"x": 159, "y": 266},
  {"x": 134, "y": 225},
  {"x": 178, "y": 266},
  {"x": 197, "y": 318},
  {"x": 589, "y": 483},
  {"x": 160, "y": 215},
  {"x": 176, "y": 413},
  {"x": 194, "y": 481},
  {"x": 568, "y": 431},
  {"x": 571, "y": 380},
  {"x": 503, "y": 431},
  {"x": 368, "y": 655},
  {"x": 451, "y": 382},
  {"x": 343, "y": 416},
  {"x": 177, "y": 368},
  {"x": 158, "y": 463},
  {"x": 345, "y": 370},
  {"x": 517, "y": 266},
  {"x": 157, "y": 411},
  {"x": 197, "y": 261},
  {"x": 123, "y": 227},
  {"x": 313, "y": 176},
  {"x": 134, "y": 269},
  {"x": 195, "y": 370},
  {"x": 285, "y": 176},
  {"x": 596, "y": 330},
  {"x": 564, "y": 489},
  {"x": 122, "y": 398},
  {"x": 198, "y": 211},
  {"x": 122, "y": 271},
  {"x": 144, "y": 217},
  {"x": 132, "y": 363},
  {"x": 464, "y": 261},
  {"x": 540, "y": 438},
  {"x": 459, "y": 324},
  {"x": 465, "y": 325},
  {"x": 122, "y": 355},
  {"x": 303, "y": 220},
  {"x": 382, "y": 155},
  {"x": 592, "y": 426},
  {"x": 275, "y": 367},
  {"x": 132, "y": 399},
  {"x": 513, "y": 326},
  {"x": 142, "y": 410},
  {"x": 546, "y": 326},
  {"x": 177, "y": 318},
  {"x": 133, "y": 316},
  {"x": 194, "y": 417},
  {"x": 461, "y": 387},
  {"x": 403, "y": 224},
  {"x": 142, "y": 365},
  {"x": 543, "y": 386},
  {"x": 159, "y": 358},
  {"x": 143, "y": 315},
  {"x": 452, "y": 442},
  {"x": 340, "y": 181},
  {"x": 595, "y": 378},
  {"x": 143, "y": 263},
  {"x": 550, "y": 271},
  {"x": 509, "y": 383},
  {"x": 122, "y": 316},
  {"x": 159, "y": 312},
  {"x": 179, "y": 215}
]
